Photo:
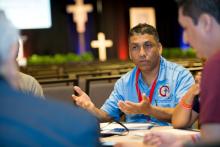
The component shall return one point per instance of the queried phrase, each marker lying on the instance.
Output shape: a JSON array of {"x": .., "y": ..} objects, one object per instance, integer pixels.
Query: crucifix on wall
[
  {"x": 101, "y": 44},
  {"x": 80, "y": 11}
]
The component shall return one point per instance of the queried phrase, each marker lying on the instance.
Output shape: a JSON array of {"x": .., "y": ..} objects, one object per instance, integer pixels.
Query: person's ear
[
  {"x": 130, "y": 56},
  {"x": 160, "y": 47},
  {"x": 205, "y": 23}
]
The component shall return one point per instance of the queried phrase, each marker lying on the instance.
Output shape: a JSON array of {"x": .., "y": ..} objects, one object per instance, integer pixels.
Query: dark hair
[
  {"x": 142, "y": 29},
  {"x": 194, "y": 8}
]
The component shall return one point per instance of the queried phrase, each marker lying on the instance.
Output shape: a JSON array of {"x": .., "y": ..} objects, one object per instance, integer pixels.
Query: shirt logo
[{"x": 164, "y": 91}]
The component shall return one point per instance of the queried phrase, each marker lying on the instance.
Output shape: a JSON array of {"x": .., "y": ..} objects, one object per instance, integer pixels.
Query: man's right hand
[{"x": 83, "y": 100}]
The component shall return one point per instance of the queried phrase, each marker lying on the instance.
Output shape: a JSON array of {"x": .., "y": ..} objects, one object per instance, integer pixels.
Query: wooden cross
[
  {"x": 80, "y": 11},
  {"x": 101, "y": 44}
]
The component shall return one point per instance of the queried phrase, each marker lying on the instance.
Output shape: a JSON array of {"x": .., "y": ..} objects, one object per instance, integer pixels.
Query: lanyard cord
[{"x": 138, "y": 89}]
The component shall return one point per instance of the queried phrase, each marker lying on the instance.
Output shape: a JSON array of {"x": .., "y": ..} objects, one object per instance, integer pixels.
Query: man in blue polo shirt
[{"x": 150, "y": 91}]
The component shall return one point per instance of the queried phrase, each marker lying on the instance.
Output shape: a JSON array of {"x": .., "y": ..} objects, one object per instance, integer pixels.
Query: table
[{"x": 136, "y": 136}]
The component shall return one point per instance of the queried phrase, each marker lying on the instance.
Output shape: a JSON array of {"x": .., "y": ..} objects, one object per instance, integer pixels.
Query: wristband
[{"x": 184, "y": 105}]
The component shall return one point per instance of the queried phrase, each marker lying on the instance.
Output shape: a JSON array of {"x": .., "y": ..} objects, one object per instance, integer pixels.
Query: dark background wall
[{"x": 113, "y": 20}]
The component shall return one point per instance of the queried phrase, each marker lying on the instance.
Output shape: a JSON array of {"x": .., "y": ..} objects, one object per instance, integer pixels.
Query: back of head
[
  {"x": 194, "y": 8},
  {"x": 142, "y": 29},
  {"x": 9, "y": 35}
]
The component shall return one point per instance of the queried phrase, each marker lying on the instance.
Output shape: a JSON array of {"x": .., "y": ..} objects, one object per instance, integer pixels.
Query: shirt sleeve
[
  {"x": 111, "y": 104},
  {"x": 37, "y": 89},
  {"x": 184, "y": 81}
]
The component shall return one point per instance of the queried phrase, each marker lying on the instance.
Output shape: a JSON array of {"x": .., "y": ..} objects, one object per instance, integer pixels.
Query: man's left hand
[{"x": 143, "y": 107}]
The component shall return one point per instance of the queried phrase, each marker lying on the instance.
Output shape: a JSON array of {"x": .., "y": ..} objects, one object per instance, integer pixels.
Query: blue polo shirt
[{"x": 172, "y": 83}]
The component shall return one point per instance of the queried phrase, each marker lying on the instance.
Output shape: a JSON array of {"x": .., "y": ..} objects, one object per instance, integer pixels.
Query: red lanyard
[{"x": 138, "y": 90}]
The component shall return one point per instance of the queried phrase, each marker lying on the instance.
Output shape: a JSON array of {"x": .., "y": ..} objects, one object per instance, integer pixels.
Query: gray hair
[{"x": 8, "y": 36}]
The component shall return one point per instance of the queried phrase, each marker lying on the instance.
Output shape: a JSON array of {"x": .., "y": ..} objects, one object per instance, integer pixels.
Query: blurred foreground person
[
  {"x": 200, "y": 20},
  {"x": 26, "y": 120}
]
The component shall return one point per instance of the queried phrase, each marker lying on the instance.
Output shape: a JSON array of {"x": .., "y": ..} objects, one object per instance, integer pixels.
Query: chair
[
  {"x": 99, "y": 88},
  {"x": 61, "y": 89}
]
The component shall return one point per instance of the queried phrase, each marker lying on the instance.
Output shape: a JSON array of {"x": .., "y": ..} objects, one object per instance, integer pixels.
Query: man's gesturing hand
[
  {"x": 143, "y": 107},
  {"x": 83, "y": 100}
]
